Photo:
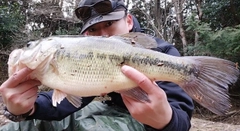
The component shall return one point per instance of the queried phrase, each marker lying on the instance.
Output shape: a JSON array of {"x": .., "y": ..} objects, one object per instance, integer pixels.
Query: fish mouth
[
  {"x": 13, "y": 61},
  {"x": 33, "y": 57}
]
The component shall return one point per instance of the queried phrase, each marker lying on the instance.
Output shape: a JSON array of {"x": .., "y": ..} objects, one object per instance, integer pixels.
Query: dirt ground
[
  {"x": 211, "y": 122},
  {"x": 200, "y": 122},
  {"x": 206, "y": 125}
]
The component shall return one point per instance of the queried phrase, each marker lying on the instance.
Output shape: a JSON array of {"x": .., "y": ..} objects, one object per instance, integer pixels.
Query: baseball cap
[{"x": 95, "y": 11}]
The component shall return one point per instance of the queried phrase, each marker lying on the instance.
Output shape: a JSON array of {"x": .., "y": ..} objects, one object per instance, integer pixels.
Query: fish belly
[{"x": 87, "y": 76}]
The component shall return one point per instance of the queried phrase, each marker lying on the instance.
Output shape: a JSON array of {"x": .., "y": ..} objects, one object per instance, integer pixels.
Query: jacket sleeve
[
  {"x": 180, "y": 102},
  {"x": 45, "y": 111}
]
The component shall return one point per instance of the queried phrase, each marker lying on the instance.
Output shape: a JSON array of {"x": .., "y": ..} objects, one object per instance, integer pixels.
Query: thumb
[{"x": 140, "y": 79}]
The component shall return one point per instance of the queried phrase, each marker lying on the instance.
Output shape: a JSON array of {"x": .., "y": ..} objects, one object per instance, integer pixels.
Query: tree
[
  {"x": 221, "y": 13},
  {"x": 156, "y": 17},
  {"x": 178, "y": 6},
  {"x": 214, "y": 39},
  {"x": 11, "y": 22}
]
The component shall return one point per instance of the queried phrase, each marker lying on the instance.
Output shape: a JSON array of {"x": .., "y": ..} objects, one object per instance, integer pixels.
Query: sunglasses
[{"x": 102, "y": 8}]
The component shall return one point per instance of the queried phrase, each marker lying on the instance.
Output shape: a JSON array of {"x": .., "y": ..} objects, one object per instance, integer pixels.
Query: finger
[
  {"x": 129, "y": 102},
  {"x": 134, "y": 107},
  {"x": 22, "y": 105},
  {"x": 30, "y": 96},
  {"x": 17, "y": 77},
  {"x": 128, "y": 99},
  {"x": 15, "y": 94},
  {"x": 125, "y": 100},
  {"x": 27, "y": 85},
  {"x": 143, "y": 82},
  {"x": 30, "y": 92}
]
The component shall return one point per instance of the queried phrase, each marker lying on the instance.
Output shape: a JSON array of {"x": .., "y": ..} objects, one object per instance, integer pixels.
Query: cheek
[{"x": 121, "y": 29}]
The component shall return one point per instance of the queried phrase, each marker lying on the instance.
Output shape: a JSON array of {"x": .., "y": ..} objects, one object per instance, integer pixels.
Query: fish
[{"x": 82, "y": 66}]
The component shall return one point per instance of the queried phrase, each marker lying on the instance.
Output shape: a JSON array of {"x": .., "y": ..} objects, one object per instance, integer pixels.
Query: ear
[{"x": 129, "y": 22}]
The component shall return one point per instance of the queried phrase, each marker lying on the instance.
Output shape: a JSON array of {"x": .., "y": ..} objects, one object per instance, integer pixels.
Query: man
[{"x": 170, "y": 107}]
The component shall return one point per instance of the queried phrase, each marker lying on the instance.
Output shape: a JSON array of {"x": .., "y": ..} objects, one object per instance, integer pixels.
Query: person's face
[{"x": 109, "y": 28}]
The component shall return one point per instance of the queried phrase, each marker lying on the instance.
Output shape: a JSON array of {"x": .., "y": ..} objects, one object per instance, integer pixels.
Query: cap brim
[{"x": 101, "y": 18}]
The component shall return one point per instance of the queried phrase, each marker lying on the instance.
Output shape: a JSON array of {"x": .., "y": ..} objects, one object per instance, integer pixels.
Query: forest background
[{"x": 194, "y": 27}]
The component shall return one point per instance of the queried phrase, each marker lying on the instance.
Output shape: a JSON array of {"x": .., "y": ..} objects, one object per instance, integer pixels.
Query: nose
[{"x": 102, "y": 32}]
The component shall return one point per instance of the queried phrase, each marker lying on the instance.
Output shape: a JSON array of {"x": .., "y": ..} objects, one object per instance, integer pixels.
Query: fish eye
[
  {"x": 28, "y": 44},
  {"x": 31, "y": 44}
]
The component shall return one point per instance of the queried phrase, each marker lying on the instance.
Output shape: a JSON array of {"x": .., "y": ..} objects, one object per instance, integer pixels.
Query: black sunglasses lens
[
  {"x": 103, "y": 7},
  {"x": 84, "y": 13}
]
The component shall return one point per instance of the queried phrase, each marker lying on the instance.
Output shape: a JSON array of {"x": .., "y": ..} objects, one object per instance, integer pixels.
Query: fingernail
[
  {"x": 28, "y": 69},
  {"x": 125, "y": 68}
]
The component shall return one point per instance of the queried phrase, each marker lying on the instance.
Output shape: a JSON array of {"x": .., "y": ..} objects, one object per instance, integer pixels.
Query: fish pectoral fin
[
  {"x": 136, "y": 93},
  {"x": 54, "y": 66},
  {"x": 57, "y": 97},
  {"x": 75, "y": 100}
]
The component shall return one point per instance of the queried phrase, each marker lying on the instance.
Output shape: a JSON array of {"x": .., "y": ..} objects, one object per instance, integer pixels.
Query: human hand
[
  {"x": 157, "y": 113},
  {"x": 19, "y": 93}
]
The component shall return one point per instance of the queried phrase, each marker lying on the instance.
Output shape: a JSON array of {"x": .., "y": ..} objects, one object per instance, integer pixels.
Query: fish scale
[
  {"x": 90, "y": 70},
  {"x": 80, "y": 66}
]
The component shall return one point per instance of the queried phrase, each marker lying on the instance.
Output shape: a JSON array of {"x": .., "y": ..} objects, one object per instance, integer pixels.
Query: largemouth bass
[{"x": 77, "y": 66}]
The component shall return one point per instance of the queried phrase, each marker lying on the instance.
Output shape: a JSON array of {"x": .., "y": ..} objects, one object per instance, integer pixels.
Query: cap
[{"x": 118, "y": 12}]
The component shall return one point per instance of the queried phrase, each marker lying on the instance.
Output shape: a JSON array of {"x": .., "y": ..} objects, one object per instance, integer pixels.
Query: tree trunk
[
  {"x": 179, "y": 14},
  {"x": 157, "y": 16},
  {"x": 198, "y": 4}
]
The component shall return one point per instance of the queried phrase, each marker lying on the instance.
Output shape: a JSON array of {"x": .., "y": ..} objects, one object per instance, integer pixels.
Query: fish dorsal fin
[
  {"x": 57, "y": 97},
  {"x": 139, "y": 40},
  {"x": 75, "y": 100}
]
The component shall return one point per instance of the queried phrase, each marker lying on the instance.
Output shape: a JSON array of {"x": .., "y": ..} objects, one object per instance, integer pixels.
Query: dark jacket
[{"x": 181, "y": 103}]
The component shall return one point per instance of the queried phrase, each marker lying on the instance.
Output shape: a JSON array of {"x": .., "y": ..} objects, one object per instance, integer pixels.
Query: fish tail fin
[{"x": 210, "y": 82}]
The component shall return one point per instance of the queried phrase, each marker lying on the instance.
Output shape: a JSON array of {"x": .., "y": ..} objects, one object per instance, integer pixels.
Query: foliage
[
  {"x": 71, "y": 29},
  {"x": 11, "y": 20},
  {"x": 221, "y": 13},
  {"x": 204, "y": 32},
  {"x": 223, "y": 43}
]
